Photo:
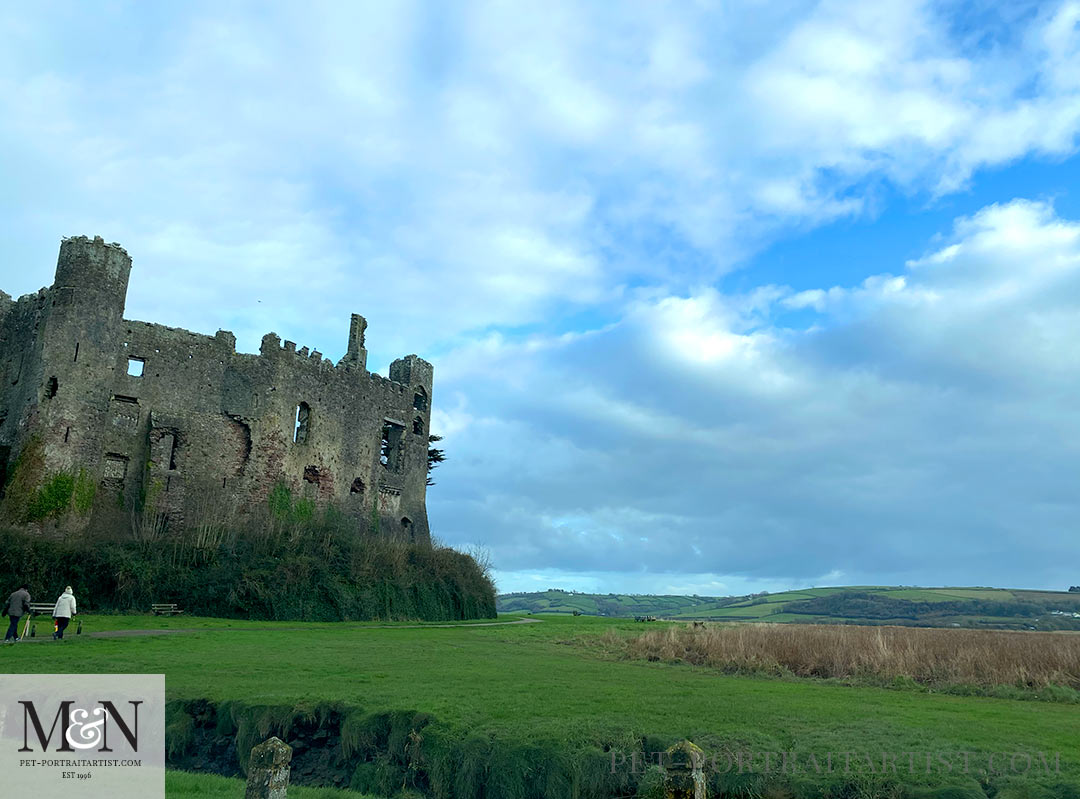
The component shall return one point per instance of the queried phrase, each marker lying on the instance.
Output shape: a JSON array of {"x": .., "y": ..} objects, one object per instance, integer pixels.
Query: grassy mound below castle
[{"x": 322, "y": 568}]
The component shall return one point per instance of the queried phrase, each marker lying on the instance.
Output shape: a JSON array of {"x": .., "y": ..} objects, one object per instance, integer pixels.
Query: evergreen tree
[{"x": 434, "y": 457}]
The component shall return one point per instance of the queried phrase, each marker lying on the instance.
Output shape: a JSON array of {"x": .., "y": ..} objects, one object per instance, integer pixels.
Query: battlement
[
  {"x": 84, "y": 259},
  {"x": 272, "y": 347},
  {"x": 96, "y": 241}
]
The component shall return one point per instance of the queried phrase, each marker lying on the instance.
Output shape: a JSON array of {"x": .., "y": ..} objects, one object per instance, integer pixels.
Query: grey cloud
[{"x": 877, "y": 458}]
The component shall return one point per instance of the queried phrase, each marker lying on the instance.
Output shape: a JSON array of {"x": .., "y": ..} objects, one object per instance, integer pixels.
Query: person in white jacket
[{"x": 62, "y": 613}]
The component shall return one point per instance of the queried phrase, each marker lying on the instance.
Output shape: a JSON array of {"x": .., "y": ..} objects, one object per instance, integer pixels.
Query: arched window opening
[
  {"x": 51, "y": 387},
  {"x": 390, "y": 449},
  {"x": 357, "y": 486},
  {"x": 311, "y": 474},
  {"x": 418, "y": 426},
  {"x": 420, "y": 399},
  {"x": 407, "y": 526},
  {"x": 302, "y": 423}
]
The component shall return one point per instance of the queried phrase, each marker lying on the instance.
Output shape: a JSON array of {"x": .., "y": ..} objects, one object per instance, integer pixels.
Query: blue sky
[{"x": 721, "y": 297}]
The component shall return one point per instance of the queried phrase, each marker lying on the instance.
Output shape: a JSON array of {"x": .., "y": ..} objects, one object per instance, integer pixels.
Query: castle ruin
[{"x": 142, "y": 411}]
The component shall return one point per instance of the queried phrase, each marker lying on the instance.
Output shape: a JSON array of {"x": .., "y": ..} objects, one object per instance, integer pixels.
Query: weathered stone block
[
  {"x": 685, "y": 771},
  {"x": 268, "y": 770}
]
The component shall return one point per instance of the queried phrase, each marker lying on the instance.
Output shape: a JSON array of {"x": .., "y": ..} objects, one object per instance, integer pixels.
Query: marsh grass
[{"x": 980, "y": 659}]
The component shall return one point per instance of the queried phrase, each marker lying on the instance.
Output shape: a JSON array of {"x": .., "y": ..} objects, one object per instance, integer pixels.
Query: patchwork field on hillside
[{"x": 936, "y": 607}]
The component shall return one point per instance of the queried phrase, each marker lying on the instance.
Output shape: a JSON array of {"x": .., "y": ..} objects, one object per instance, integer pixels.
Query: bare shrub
[
  {"x": 148, "y": 527},
  {"x": 928, "y": 656},
  {"x": 481, "y": 553}
]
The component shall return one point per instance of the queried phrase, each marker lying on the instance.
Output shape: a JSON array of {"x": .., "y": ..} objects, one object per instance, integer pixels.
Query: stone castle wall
[{"x": 183, "y": 421}]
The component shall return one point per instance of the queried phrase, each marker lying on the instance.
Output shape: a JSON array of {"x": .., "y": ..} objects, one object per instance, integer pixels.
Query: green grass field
[
  {"x": 535, "y": 685},
  {"x": 139, "y": 621}
]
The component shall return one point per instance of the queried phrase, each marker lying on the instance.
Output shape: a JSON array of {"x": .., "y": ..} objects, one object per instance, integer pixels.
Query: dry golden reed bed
[{"x": 926, "y": 655}]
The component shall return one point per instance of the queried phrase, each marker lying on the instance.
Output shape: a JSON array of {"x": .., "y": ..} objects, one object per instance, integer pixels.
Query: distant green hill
[{"x": 996, "y": 608}]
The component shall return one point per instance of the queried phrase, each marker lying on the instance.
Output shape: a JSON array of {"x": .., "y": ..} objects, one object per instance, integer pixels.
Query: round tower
[
  {"x": 81, "y": 349},
  {"x": 93, "y": 272}
]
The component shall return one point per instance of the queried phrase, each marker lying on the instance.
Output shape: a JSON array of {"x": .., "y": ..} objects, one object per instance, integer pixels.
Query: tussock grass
[{"x": 982, "y": 658}]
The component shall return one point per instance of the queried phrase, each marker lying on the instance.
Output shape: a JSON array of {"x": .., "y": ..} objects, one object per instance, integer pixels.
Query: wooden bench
[{"x": 166, "y": 609}]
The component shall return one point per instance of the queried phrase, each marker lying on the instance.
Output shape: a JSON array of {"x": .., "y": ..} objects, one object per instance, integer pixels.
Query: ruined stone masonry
[{"x": 154, "y": 414}]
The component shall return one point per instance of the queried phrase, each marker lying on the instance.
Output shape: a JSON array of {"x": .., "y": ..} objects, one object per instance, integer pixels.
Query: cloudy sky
[{"x": 721, "y": 297}]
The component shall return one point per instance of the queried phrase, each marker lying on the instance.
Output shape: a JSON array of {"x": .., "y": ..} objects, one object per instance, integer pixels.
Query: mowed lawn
[{"x": 530, "y": 681}]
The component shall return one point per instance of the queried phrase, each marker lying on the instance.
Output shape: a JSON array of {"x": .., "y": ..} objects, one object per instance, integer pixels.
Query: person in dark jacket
[{"x": 18, "y": 605}]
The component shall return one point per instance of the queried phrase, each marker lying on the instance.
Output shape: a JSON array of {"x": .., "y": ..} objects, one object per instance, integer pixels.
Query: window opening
[
  {"x": 390, "y": 451},
  {"x": 302, "y": 423}
]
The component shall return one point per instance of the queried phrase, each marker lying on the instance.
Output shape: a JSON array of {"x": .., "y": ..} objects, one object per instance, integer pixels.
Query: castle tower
[
  {"x": 95, "y": 272},
  {"x": 81, "y": 347},
  {"x": 416, "y": 375}
]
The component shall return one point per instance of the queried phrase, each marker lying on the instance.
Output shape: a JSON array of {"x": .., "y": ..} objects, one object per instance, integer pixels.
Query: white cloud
[
  {"x": 492, "y": 164},
  {"x": 859, "y": 88}
]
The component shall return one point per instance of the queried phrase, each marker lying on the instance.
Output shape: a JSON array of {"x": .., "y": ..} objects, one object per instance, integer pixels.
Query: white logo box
[{"x": 83, "y": 736}]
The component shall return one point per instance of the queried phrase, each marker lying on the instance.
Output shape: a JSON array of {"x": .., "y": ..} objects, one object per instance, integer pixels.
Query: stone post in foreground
[
  {"x": 685, "y": 774},
  {"x": 268, "y": 770}
]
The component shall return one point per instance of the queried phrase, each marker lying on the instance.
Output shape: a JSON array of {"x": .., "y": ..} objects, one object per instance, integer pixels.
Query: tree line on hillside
[
  {"x": 615, "y": 605},
  {"x": 865, "y": 605}
]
